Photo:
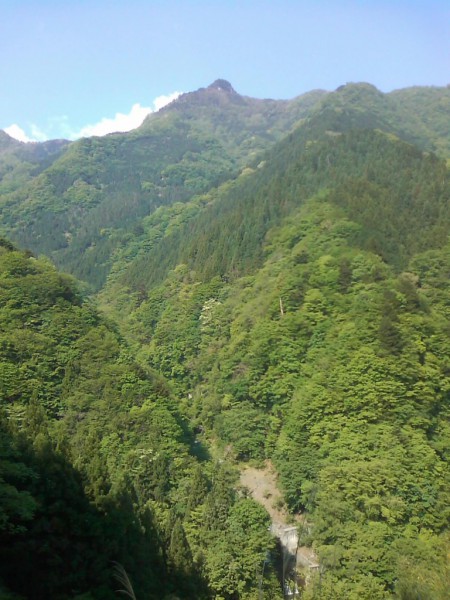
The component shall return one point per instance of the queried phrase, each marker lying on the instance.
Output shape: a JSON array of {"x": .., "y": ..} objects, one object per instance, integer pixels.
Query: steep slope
[
  {"x": 297, "y": 311},
  {"x": 90, "y": 201},
  {"x": 430, "y": 109},
  {"x": 244, "y": 125},
  {"x": 301, "y": 312},
  {"x": 223, "y": 233},
  {"x": 417, "y": 115},
  {"x": 58, "y": 416},
  {"x": 20, "y": 162},
  {"x": 87, "y": 203},
  {"x": 98, "y": 465}
]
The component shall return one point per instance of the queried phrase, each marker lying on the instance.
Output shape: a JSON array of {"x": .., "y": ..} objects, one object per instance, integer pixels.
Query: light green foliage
[
  {"x": 237, "y": 556},
  {"x": 94, "y": 195},
  {"x": 296, "y": 362},
  {"x": 68, "y": 382},
  {"x": 429, "y": 107},
  {"x": 75, "y": 397},
  {"x": 297, "y": 312}
]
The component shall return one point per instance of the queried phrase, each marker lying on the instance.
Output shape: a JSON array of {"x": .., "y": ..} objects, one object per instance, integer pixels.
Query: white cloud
[
  {"x": 17, "y": 133},
  {"x": 121, "y": 122},
  {"x": 161, "y": 101},
  {"x": 125, "y": 122},
  {"x": 58, "y": 127}
]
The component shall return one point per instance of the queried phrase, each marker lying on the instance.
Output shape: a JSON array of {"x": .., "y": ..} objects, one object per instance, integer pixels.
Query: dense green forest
[
  {"x": 98, "y": 464},
  {"x": 93, "y": 196},
  {"x": 272, "y": 282}
]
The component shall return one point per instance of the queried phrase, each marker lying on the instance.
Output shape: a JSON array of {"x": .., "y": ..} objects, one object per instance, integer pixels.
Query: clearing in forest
[{"x": 262, "y": 485}]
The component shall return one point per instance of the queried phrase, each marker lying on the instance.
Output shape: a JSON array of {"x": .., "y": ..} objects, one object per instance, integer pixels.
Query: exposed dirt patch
[{"x": 262, "y": 484}]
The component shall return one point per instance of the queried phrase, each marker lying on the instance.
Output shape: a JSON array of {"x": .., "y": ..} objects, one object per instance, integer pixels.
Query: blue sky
[{"x": 68, "y": 65}]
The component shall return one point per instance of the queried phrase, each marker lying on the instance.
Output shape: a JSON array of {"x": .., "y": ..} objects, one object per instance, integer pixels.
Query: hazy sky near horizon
[{"x": 70, "y": 68}]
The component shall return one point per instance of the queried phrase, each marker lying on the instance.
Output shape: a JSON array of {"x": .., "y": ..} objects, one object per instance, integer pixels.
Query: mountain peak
[
  {"x": 222, "y": 84},
  {"x": 220, "y": 93}
]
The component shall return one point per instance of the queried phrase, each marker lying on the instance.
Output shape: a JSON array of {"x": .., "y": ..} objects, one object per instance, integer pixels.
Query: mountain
[
  {"x": 417, "y": 115},
  {"x": 430, "y": 108},
  {"x": 20, "y": 162},
  {"x": 341, "y": 140},
  {"x": 272, "y": 280},
  {"x": 7, "y": 143},
  {"x": 93, "y": 196},
  {"x": 302, "y": 307}
]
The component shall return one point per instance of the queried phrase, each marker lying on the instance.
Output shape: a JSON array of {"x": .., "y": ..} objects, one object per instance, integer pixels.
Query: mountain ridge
[
  {"x": 201, "y": 149},
  {"x": 94, "y": 191}
]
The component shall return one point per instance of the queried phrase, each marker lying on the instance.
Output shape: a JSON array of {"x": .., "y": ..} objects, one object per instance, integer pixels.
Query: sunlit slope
[
  {"x": 301, "y": 312},
  {"x": 88, "y": 202},
  {"x": 388, "y": 186}
]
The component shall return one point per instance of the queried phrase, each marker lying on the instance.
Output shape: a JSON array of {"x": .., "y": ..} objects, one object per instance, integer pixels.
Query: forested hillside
[
  {"x": 277, "y": 293},
  {"x": 20, "y": 162},
  {"x": 429, "y": 106},
  {"x": 98, "y": 465},
  {"x": 94, "y": 193},
  {"x": 93, "y": 197}
]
